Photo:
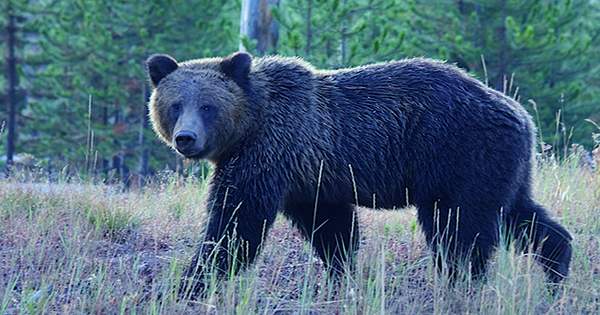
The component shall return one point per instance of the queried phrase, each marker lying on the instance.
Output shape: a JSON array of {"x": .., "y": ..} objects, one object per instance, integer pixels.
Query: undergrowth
[{"x": 77, "y": 247}]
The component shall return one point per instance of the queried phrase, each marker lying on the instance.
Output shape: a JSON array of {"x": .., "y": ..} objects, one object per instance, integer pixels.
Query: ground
[{"x": 82, "y": 247}]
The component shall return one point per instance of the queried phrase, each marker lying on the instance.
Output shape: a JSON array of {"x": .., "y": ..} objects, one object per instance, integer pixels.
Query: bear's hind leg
[
  {"x": 460, "y": 238},
  {"x": 535, "y": 231},
  {"x": 333, "y": 232}
]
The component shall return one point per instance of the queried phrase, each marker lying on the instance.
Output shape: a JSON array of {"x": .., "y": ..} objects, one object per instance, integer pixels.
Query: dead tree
[
  {"x": 12, "y": 83},
  {"x": 257, "y": 23}
]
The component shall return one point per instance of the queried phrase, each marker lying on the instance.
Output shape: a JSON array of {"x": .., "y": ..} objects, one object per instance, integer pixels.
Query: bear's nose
[{"x": 185, "y": 139}]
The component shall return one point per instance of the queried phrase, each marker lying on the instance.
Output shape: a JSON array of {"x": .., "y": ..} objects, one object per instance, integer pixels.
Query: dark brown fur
[{"x": 417, "y": 131}]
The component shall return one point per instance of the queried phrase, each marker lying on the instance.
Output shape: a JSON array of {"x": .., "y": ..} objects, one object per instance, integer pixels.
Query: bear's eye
[
  {"x": 205, "y": 108},
  {"x": 175, "y": 110}
]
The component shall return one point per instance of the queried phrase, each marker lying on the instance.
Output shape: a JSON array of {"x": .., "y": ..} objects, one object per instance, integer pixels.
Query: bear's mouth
[{"x": 195, "y": 154}]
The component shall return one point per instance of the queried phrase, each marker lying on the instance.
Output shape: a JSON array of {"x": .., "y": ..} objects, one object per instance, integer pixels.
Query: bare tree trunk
[
  {"x": 124, "y": 171},
  {"x": 344, "y": 38},
  {"x": 117, "y": 161},
  {"x": 143, "y": 162},
  {"x": 12, "y": 83},
  {"x": 105, "y": 161},
  {"x": 328, "y": 48},
  {"x": 257, "y": 23},
  {"x": 503, "y": 57},
  {"x": 308, "y": 28}
]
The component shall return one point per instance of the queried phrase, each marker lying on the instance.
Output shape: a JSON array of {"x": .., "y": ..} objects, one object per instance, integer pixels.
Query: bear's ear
[
  {"x": 159, "y": 66},
  {"x": 237, "y": 66}
]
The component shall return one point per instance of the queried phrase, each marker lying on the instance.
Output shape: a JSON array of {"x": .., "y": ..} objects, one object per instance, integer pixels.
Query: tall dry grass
[{"x": 77, "y": 248}]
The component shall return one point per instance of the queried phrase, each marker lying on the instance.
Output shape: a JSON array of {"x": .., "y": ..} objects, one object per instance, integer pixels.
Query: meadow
[{"x": 80, "y": 247}]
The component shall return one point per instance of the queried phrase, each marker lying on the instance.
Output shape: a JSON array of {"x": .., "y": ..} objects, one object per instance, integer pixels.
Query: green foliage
[
  {"x": 86, "y": 102},
  {"x": 533, "y": 50},
  {"x": 81, "y": 63},
  {"x": 345, "y": 33}
]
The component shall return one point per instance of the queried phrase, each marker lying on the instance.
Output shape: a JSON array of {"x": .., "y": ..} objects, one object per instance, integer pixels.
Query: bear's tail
[{"x": 534, "y": 230}]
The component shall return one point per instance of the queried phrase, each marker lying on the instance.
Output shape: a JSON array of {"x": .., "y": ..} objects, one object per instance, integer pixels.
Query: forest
[
  {"x": 74, "y": 89},
  {"x": 98, "y": 216}
]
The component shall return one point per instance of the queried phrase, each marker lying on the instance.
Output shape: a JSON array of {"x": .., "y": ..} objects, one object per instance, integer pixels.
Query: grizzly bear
[{"x": 313, "y": 145}]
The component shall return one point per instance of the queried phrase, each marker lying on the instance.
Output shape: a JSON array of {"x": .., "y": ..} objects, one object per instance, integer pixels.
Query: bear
[{"x": 316, "y": 145}]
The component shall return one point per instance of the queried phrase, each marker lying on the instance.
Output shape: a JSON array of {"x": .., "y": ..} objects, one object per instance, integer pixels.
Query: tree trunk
[
  {"x": 144, "y": 155},
  {"x": 308, "y": 28},
  {"x": 12, "y": 82},
  {"x": 503, "y": 56},
  {"x": 105, "y": 161},
  {"x": 117, "y": 161},
  {"x": 344, "y": 38},
  {"x": 257, "y": 23}
]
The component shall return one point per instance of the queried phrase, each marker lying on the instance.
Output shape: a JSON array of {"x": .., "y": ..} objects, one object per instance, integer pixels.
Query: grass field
[{"x": 77, "y": 247}]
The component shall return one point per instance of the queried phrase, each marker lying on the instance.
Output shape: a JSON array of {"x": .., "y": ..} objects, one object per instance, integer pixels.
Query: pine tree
[
  {"x": 342, "y": 33},
  {"x": 89, "y": 106},
  {"x": 533, "y": 50},
  {"x": 16, "y": 21}
]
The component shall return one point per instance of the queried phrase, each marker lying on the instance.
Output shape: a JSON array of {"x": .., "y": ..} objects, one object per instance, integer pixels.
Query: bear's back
[{"x": 404, "y": 117}]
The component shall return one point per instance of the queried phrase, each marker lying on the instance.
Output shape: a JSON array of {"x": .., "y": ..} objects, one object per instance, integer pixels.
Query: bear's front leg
[
  {"x": 238, "y": 220},
  {"x": 333, "y": 231}
]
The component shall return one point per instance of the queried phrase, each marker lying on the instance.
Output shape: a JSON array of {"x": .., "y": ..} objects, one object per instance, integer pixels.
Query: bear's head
[{"x": 198, "y": 107}]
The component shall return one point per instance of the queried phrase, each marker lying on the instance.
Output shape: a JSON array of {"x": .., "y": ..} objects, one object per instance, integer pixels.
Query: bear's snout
[{"x": 186, "y": 143}]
